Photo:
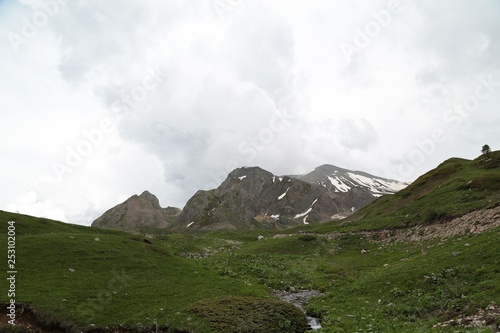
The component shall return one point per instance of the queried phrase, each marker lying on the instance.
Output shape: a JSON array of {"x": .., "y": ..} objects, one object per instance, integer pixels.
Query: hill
[
  {"x": 73, "y": 278},
  {"x": 454, "y": 188}
]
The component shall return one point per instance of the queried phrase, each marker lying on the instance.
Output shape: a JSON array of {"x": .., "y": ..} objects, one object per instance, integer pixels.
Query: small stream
[{"x": 300, "y": 300}]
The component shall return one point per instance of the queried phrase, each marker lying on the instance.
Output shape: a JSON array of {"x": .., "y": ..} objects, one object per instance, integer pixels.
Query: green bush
[
  {"x": 307, "y": 238},
  {"x": 250, "y": 315}
]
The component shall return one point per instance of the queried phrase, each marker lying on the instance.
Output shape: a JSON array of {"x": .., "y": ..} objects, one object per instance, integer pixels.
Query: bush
[
  {"x": 307, "y": 238},
  {"x": 250, "y": 315}
]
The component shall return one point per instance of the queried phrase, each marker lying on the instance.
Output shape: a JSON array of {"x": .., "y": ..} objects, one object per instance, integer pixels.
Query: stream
[{"x": 300, "y": 300}]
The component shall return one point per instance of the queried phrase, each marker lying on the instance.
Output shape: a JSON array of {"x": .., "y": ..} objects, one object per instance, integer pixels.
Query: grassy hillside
[
  {"x": 455, "y": 187},
  {"x": 372, "y": 275},
  {"x": 90, "y": 277}
]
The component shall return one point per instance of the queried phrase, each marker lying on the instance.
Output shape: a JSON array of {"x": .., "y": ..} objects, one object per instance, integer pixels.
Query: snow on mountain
[{"x": 342, "y": 180}]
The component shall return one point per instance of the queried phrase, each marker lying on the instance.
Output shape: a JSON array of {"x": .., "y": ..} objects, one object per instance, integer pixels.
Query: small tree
[{"x": 486, "y": 149}]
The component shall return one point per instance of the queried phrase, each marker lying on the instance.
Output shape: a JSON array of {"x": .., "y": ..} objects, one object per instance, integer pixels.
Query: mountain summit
[
  {"x": 138, "y": 212},
  {"x": 343, "y": 180}
]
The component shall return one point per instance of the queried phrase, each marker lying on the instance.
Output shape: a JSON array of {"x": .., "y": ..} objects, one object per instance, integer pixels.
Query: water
[
  {"x": 313, "y": 323},
  {"x": 300, "y": 300}
]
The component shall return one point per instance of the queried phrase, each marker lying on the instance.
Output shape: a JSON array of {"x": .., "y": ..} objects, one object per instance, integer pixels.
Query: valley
[{"x": 425, "y": 259}]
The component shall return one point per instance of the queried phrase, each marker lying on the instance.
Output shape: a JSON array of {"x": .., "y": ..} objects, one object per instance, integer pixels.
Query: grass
[
  {"x": 105, "y": 278},
  {"x": 408, "y": 289},
  {"x": 99, "y": 277}
]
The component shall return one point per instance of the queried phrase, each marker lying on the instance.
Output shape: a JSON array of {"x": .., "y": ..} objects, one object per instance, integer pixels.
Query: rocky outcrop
[
  {"x": 253, "y": 198},
  {"x": 475, "y": 222},
  {"x": 138, "y": 213}
]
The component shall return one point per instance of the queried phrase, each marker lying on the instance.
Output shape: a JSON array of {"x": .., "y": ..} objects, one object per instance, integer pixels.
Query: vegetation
[
  {"x": 84, "y": 278},
  {"x": 486, "y": 149},
  {"x": 250, "y": 315}
]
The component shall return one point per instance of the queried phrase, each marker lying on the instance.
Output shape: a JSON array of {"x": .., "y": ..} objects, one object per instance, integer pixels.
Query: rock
[{"x": 143, "y": 211}]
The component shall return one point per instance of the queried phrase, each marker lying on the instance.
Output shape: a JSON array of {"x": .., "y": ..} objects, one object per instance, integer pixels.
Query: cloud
[
  {"x": 194, "y": 92},
  {"x": 357, "y": 134},
  {"x": 30, "y": 203}
]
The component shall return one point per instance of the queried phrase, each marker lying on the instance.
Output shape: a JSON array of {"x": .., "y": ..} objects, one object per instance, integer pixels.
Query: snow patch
[
  {"x": 305, "y": 220},
  {"x": 190, "y": 224},
  {"x": 377, "y": 185},
  {"x": 339, "y": 185},
  {"x": 283, "y": 195},
  {"x": 303, "y": 214},
  {"x": 275, "y": 216},
  {"x": 306, "y": 212},
  {"x": 242, "y": 177}
]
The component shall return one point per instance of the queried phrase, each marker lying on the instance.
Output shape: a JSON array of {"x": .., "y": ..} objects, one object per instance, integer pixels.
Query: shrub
[
  {"x": 250, "y": 315},
  {"x": 307, "y": 238}
]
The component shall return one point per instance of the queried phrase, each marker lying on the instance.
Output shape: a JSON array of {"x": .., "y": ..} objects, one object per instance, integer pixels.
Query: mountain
[
  {"x": 253, "y": 198},
  {"x": 342, "y": 180},
  {"x": 138, "y": 213}
]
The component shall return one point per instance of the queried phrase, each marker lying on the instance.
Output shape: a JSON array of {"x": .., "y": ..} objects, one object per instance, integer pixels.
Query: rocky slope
[
  {"x": 138, "y": 213},
  {"x": 253, "y": 198},
  {"x": 343, "y": 180}
]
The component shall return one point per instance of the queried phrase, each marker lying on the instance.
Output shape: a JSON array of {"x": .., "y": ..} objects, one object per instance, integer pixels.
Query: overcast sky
[{"x": 100, "y": 100}]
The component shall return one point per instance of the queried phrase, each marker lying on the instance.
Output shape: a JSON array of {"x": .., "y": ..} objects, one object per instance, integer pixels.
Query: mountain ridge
[{"x": 253, "y": 198}]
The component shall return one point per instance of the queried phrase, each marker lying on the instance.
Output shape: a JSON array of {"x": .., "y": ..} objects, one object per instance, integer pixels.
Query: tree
[{"x": 486, "y": 149}]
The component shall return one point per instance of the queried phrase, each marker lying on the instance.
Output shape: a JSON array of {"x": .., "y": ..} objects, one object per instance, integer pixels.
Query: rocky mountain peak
[
  {"x": 138, "y": 213},
  {"x": 344, "y": 180},
  {"x": 252, "y": 198},
  {"x": 149, "y": 198},
  {"x": 247, "y": 179}
]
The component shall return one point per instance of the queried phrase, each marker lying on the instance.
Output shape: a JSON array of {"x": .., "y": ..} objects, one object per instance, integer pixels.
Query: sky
[{"x": 101, "y": 100}]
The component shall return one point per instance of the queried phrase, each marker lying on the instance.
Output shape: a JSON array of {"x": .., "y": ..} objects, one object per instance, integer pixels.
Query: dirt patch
[
  {"x": 472, "y": 223},
  {"x": 484, "y": 318}
]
